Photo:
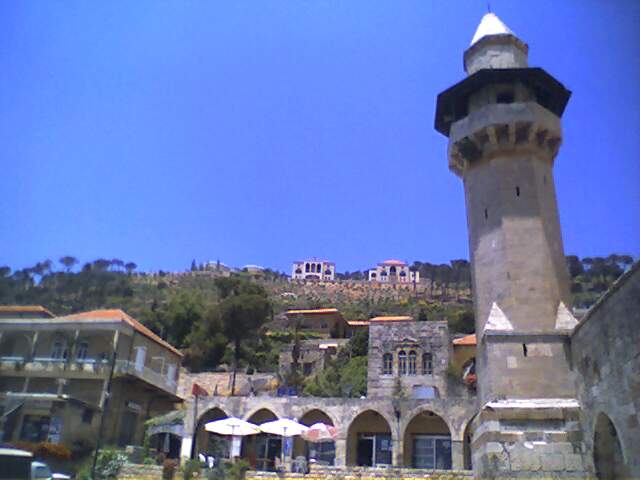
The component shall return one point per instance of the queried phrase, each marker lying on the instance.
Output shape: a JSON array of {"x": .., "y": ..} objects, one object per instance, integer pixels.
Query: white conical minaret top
[
  {"x": 494, "y": 45},
  {"x": 490, "y": 25}
]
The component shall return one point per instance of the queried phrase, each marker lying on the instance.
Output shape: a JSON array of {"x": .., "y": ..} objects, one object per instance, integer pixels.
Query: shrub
[
  {"x": 191, "y": 469},
  {"x": 169, "y": 469},
  {"x": 109, "y": 463}
]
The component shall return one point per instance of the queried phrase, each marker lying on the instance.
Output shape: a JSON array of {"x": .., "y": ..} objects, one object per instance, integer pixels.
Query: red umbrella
[{"x": 320, "y": 432}]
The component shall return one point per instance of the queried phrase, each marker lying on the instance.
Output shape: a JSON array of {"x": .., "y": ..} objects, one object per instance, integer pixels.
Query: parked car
[{"x": 16, "y": 464}]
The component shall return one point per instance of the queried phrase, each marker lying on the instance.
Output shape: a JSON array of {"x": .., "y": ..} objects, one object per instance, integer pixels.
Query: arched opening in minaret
[
  {"x": 607, "y": 453},
  {"x": 505, "y": 96},
  {"x": 427, "y": 442}
]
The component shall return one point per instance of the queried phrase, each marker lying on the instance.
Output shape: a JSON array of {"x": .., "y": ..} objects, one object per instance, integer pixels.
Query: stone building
[
  {"x": 54, "y": 373},
  {"x": 393, "y": 271},
  {"x": 313, "y": 269},
  {"x": 504, "y": 130},
  {"x": 314, "y": 354},
  {"x": 324, "y": 322}
]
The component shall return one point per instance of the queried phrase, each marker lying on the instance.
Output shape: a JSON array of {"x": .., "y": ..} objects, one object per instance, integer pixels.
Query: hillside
[{"x": 182, "y": 308}]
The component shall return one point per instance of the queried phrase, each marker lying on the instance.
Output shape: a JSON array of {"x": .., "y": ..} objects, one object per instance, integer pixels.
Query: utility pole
[{"x": 105, "y": 405}]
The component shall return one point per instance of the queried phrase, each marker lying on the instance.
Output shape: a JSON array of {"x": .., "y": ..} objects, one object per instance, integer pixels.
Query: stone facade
[
  {"x": 313, "y": 270},
  {"x": 314, "y": 355},
  {"x": 408, "y": 358},
  {"x": 400, "y": 419},
  {"x": 605, "y": 351},
  {"x": 393, "y": 271}
]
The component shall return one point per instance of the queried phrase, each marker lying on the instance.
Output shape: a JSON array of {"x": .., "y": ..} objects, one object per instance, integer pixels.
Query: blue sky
[{"x": 266, "y": 131}]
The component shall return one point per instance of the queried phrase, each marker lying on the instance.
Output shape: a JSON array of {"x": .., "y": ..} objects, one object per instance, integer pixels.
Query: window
[
  {"x": 412, "y": 362},
  {"x": 505, "y": 96},
  {"x": 432, "y": 451},
  {"x": 298, "y": 271},
  {"x": 402, "y": 362},
  {"x": 387, "y": 364},
  {"x": 427, "y": 364},
  {"x": 81, "y": 353},
  {"x": 306, "y": 267},
  {"x": 59, "y": 350},
  {"x": 392, "y": 270},
  {"x": 517, "y": 191},
  {"x": 486, "y": 214},
  {"x": 87, "y": 415}
]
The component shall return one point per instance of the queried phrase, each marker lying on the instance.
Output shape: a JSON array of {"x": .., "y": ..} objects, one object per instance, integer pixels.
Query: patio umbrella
[
  {"x": 284, "y": 427},
  {"x": 320, "y": 432},
  {"x": 233, "y": 426}
]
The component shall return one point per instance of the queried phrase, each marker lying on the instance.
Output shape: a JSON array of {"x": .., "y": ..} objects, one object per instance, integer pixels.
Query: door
[
  {"x": 365, "y": 450},
  {"x": 128, "y": 423}
]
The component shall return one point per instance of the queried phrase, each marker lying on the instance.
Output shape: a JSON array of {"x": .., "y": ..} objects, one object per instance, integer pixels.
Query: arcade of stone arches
[{"x": 369, "y": 438}]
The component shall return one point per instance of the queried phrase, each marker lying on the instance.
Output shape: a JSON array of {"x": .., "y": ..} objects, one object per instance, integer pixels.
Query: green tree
[{"x": 68, "y": 262}]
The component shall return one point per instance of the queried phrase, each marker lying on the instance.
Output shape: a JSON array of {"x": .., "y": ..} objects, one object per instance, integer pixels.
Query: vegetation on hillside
[{"x": 200, "y": 313}]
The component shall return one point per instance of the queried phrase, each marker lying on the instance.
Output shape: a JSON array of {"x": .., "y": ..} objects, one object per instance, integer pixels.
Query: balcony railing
[
  {"x": 84, "y": 367},
  {"x": 149, "y": 375}
]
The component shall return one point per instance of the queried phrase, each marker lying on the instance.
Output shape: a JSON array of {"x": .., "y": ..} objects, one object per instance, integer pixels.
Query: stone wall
[
  {"x": 131, "y": 471},
  {"x": 421, "y": 337},
  {"x": 365, "y": 473},
  {"x": 606, "y": 354}
]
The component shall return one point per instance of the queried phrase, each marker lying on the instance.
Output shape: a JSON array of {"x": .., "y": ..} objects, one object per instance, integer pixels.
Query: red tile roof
[
  {"x": 392, "y": 318},
  {"x": 468, "y": 340},
  {"x": 26, "y": 309},
  {"x": 394, "y": 262},
  {"x": 358, "y": 323},
  {"x": 313, "y": 311},
  {"x": 117, "y": 314}
]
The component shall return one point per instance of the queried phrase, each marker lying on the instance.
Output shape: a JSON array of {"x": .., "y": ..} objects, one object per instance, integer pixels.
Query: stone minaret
[{"x": 503, "y": 124}]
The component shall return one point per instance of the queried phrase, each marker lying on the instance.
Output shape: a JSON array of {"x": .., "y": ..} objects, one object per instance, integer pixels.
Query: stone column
[
  {"x": 341, "y": 452},
  {"x": 397, "y": 449},
  {"x": 185, "y": 448},
  {"x": 457, "y": 455}
]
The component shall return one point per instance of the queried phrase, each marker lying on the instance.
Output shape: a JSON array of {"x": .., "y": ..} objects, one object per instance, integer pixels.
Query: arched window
[
  {"x": 298, "y": 271},
  {"x": 403, "y": 273},
  {"x": 81, "y": 353},
  {"x": 412, "y": 362},
  {"x": 59, "y": 350},
  {"x": 306, "y": 267},
  {"x": 387, "y": 364},
  {"x": 427, "y": 364},
  {"x": 392, "y": 270},
  {"x": 373, "y": 275},
  {"x": 402, "y": 362}
]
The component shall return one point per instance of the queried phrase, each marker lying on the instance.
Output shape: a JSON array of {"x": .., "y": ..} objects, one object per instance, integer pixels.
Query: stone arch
[
  {"x": 467, "y": 439},
  {"x": 261, "y": 450},
  {"x": 427, "y": 441},
  {"x": 324, "y": 451},
  {"x": 206, "y": 442},
  {"x": 369, "y": 439},
  {"x": 608, "y": 458}
]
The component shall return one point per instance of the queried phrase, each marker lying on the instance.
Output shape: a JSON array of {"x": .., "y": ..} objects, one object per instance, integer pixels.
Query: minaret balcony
[{"x": 495, "y": 128}]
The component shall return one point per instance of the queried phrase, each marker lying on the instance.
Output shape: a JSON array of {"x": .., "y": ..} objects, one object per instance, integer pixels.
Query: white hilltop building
[
  {"x": 313, "y": 269},
  {"x": 393, "y": 271}
]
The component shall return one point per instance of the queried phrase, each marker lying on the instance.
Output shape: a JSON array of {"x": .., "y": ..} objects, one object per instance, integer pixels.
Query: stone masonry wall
[
  {"x": 606, "y": 355},
  {"x": 422, "y": 337}
]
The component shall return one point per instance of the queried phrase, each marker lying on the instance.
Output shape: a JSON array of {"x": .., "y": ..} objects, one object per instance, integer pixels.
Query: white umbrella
[
  {"x": 320, "y": 432},
  {"x": 284, "y": 427},
  {"x": 232, "y": 426}
]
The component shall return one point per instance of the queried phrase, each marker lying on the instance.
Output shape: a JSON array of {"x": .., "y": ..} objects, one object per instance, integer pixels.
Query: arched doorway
[
  {"x": 321, "y": 452},
  {"x": 207, "y": 443},
  {"x": 467, "y": 438},
  {"x": 261, "y": 450},
  {"x": 607, "y": 452},
  {"x": 369, "y": 440},
  {"x": 427, "y": 442}
]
